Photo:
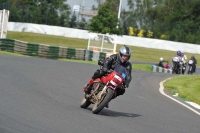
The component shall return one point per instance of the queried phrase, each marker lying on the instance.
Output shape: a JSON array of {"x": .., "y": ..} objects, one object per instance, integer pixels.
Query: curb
[{"x": 160, "y": 69}]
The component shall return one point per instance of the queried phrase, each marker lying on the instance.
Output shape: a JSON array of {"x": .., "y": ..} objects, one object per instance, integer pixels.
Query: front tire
[
  {"x": 190, "y": 70},
  {"x": 99, "y": 105},
  {"x": 85, "y": 103},
  {"x": 174, "y": 70}
]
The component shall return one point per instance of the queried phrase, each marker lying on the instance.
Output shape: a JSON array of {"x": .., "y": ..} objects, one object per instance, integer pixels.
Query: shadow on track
[{"x": 106, "y": 112}]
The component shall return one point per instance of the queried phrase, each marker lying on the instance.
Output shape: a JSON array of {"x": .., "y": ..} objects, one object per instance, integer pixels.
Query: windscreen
[{"x": 121, "y": 70}]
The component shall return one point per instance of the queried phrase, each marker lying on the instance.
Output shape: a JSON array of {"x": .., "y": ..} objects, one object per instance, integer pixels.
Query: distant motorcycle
[
  {"x": 178, "y": 65},
  {"x": 167, "y": 66},
  {"x": 184, "y": 68},
  {"x": 191, "y": 67}
]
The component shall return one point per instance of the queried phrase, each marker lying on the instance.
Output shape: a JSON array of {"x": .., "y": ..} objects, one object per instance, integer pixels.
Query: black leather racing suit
[{"x": 110, "y": 63}]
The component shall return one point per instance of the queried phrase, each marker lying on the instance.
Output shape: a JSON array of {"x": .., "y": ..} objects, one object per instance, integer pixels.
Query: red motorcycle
[
  {"x": 104, "y": 89},
  {"x": 167, "y": 66}
]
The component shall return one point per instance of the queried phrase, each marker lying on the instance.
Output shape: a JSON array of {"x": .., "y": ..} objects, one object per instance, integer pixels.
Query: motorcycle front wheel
[
  {"x": 99, "y": 105},
  {"x": 85, "y": 103},
  {"x": 190, "y": 70}
]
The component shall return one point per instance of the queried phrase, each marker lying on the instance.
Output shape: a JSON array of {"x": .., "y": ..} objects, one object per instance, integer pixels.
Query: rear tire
[
  {"x": 85, "y": 103},
  {"x": 99, "y": 106}
]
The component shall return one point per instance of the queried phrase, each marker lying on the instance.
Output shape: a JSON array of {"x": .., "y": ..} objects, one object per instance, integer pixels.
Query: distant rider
[
  {"x": 179, "y": 55},
  {"x": 184, "y": 57},
  {"x": 160, "y": 64},
  {"x": 109, "y": 63},
  {"x": 194, "y": 64}
]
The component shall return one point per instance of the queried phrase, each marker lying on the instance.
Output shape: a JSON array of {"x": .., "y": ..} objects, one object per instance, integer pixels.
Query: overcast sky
[{"x": 89, "y": 3}]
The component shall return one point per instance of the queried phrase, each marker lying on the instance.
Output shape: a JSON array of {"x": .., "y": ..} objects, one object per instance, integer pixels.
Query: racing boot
[{"x": 88, "y": 87}]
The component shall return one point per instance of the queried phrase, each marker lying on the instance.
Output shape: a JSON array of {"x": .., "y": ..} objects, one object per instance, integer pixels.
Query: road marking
[
  {"x": 193, "y": 104},
  {"x": 161, "y": 89},
  {"x": 188, "y": 102}
]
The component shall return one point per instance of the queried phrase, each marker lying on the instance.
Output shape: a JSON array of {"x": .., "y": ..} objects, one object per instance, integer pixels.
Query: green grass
[
  {"x": 48, "y": 39},
  {"x": 9, "y": 53},
  {"x": 186, "y": 85},
  {"x": 143, "y": 67},
  {"x": 138, "y": 53}
]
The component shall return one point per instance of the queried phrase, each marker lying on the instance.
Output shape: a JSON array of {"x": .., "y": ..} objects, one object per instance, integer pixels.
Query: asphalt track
[{"x": 43, "y": 96}]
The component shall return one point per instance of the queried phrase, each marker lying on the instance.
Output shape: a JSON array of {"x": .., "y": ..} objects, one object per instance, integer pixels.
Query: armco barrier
[
  {"x": 7, "y": 45},
  {"x": 47, "y": 51},
  {"x": 160, "y": 69},
  {"x": 20, "y": 46},
  {"x": 94, "y": 55},
  {"x": 32, "y": 49}
]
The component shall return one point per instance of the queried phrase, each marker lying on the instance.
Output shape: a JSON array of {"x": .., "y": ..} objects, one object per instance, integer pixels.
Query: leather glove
[{"x": 123, "y": 86}]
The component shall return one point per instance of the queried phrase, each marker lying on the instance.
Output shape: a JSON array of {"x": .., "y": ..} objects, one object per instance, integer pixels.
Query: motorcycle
[
  {"x": 167, "y": 66},
  {"x": 183, "y": 67},
  {"x": 191, "y": 65},
  {"x": 104, "y": 89},
  {"x": 178, "y": 65}
]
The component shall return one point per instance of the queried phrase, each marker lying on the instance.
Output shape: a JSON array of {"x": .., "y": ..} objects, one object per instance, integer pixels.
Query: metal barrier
[
  {"x": 47, "y": 51},
  {"x": 160, "y": 69}
]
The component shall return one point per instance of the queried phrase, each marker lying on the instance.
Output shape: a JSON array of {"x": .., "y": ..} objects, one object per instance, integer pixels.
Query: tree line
[
  {"x": 175, "y": 20},
  {"x": 49, "y": 12}
]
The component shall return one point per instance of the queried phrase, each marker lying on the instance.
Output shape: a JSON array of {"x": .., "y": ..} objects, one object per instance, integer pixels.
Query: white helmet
[{"x": 161, "y": 58}]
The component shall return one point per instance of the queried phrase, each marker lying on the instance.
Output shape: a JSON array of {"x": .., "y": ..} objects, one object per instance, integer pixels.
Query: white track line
[{"x": 161, "y": 89}]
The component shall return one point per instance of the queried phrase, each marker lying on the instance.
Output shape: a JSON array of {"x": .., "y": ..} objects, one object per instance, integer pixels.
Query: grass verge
[{"x": 187, "y": 86}]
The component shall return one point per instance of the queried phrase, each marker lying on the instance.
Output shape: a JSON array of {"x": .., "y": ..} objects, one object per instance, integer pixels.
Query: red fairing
[{"x": 114, "y": 78}]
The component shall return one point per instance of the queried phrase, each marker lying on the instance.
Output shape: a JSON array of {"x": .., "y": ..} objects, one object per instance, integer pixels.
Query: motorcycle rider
[
  {"x": 184, "y": 59},
  {"x": 121, "y": 58},
  {"x": 182, "y": 56},
  {"x": 178, "y": 53},
  {"x": 160, "y": 64},
  {"x": 195, "y": 62}
]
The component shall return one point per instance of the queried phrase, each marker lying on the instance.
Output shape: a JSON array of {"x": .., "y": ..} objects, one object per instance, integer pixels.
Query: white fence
[{"x": 84, "y": 34}]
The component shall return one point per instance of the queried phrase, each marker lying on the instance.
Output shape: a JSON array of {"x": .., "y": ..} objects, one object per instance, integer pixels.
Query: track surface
[{"x": 43, "y": 96}]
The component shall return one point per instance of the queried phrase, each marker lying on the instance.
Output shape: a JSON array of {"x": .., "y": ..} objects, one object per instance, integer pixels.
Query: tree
[
  {"x": 176, "y": 19},
  {"x": 73, "y": 22},
  {"x": 105, "y": 21},
  {"x": 51, "y": 12},
  {"x": 82, "y": 23}
]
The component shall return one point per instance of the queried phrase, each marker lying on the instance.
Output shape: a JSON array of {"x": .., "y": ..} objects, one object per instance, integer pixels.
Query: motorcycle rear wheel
[
  {"x": 99, "y": 105},
  {"x": 85, "y": 103}
]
